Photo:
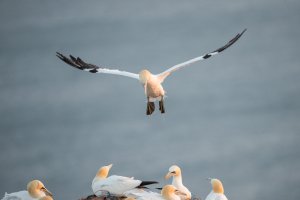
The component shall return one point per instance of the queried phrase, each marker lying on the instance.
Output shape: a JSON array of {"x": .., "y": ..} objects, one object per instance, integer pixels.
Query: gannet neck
[
  {"x": 103, "y": 172},
  {"x": 177, "y": 181},
  {"x": 217, "y": 186},
  {"x": 36, "y": 189},
  {"x": 144, "y": 75}
]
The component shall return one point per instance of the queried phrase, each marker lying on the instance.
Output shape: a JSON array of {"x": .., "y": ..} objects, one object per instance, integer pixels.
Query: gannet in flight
[
  {"x": 175, "y": 172},
  {"x": 152, "y": 83},
  {"x": 168, "y": 192},
  {"x": 217, "y": 192},
  {"x": 35, "y": 191},
  {"x": 115, "y": 185}
]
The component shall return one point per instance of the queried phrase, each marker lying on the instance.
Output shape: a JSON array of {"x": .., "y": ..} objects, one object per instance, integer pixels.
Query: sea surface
[{"x": 235, "y": 116}]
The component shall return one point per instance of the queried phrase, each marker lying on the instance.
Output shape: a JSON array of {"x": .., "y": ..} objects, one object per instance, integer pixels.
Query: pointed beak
[
  {"x": 168, "y": 175},
  {"x": 209, "y": 179},
  {"x": 47, "y": 192},
  {"x": 110, "y": 166}
]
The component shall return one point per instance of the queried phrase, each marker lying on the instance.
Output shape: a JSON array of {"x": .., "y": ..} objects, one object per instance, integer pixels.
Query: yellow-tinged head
[
  {"x": 103, "y": 171},
  {"x": 169, "y": 191},
  {"x": 217, "y": 186},
  {"x": 174, "y": 170},
  {"x": 36, "y": 189},
  {"x": 144, "y": 75}
]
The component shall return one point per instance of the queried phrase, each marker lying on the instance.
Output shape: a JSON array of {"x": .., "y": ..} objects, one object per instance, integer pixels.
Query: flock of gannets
[
  {"x": 125, "y": 188},
  {"x": 151, "y": 82}
]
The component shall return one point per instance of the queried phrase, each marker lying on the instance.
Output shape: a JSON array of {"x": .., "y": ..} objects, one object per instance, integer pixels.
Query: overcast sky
[{"x": 234, "y": 116}]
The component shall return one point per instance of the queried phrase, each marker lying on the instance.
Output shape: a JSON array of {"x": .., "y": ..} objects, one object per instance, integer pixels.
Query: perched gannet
[
  {"x": 35, "y": 191},
  {"x": 217, "y": 192},
  {"x": 175, "y": 171},
  {"x": 151, "y": 82},
  {"x": 115, "y": 185},
  {"x": 169, "y": 192}
]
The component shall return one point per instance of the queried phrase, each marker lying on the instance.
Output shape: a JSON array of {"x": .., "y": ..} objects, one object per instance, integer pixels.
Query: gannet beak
[
  {"x": 168, "y": 175},
  {"x": 209, "y": 179},
  {"x": 47, "y": 192},
  {"x": 110, "y": 166}
]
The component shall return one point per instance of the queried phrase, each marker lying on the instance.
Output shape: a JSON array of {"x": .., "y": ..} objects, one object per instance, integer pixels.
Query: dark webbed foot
[
  {"x": 161, "y": 106},
  {"x": 150, "y": 108}
]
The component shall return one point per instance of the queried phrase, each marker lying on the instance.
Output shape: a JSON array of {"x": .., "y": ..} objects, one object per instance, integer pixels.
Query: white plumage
[
  {"x": 21, "y": 195},
  {"x": 215, "y": 196},
  {"x": 140, "y": 194},
  {"x": 114, "y": 184},
  {"x": 169, "y": 192}
]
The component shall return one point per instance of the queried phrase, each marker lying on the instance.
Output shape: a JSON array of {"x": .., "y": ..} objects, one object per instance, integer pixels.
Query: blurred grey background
[{"x": 235, "y": 116}]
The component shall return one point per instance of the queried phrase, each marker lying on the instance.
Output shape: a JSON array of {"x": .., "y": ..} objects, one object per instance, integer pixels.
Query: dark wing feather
[{"x": 77, "y": 63}]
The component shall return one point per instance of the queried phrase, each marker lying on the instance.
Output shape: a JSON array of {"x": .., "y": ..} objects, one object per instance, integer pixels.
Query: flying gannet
[
  {"x": 175, "y": 172},
  {"x": 217, "y": 192},
  {"x": 152, "y": 83},
  {"x": 115, "y": 185},
  {"x": 35, "y": 191},
  {"x": 168, "y": 192}
]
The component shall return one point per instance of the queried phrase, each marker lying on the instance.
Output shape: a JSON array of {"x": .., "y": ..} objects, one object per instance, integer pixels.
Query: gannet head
[
  {"x": 217, "y": 185},
  {"x": 144, "y": 75},
  {"x": 169, "y": 191},
  {"x": 36, "y": 189},
  {"x": 174, "y": 170},
  {"x": 103, "y": 171}
]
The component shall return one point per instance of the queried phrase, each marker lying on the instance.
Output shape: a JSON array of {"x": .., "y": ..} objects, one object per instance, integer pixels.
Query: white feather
[{"x": 114, "y": 184}]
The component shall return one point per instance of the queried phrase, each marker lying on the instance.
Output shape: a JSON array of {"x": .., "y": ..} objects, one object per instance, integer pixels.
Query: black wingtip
[
  {"x": 59, "y": 55},
  {"x": 243, "y": 31},
  {"x": 148, "y": 183}
]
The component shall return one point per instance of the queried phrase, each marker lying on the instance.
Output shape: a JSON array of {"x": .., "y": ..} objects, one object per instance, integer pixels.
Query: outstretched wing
[
  {"x": 80, "y": 64},
  {"x": 164, "y": 74}
]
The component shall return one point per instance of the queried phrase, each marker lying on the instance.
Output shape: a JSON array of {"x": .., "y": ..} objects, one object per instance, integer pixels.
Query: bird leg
[
  {"x": 161, "y": 105},
  {"x": 150, "y": 107}
]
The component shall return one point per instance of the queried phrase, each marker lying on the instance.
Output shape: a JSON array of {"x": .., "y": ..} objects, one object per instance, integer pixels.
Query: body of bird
[{"x": 115, "y": 185}]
